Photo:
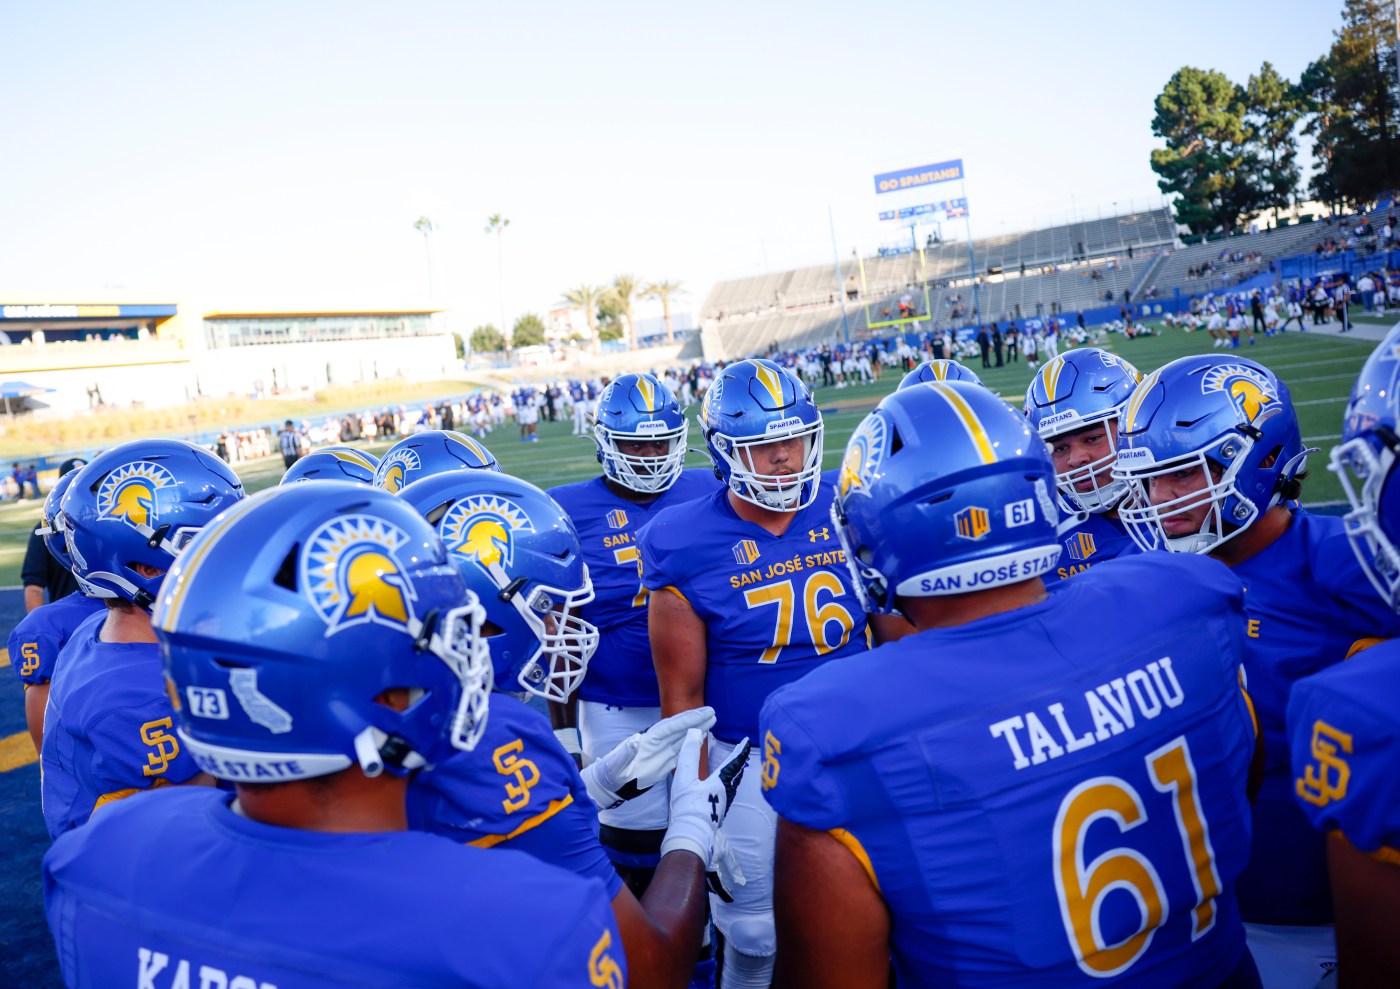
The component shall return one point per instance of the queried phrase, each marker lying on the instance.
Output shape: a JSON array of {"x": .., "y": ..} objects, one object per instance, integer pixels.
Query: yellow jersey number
[
  {"x": 1081, "y": 887},
  {"x": 817, "y": 616},
  {"x": 631, "y": 554}
]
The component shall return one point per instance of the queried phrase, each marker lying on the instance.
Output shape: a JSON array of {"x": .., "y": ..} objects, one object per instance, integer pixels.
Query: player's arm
[
  {"x": 833, "y": 927},
  {"x": 1366, "y": 898},
  {"x": 563, "y": 718},
  {"x": 678, "y": 651},
  {"x": 34, "y": 573},
  {"x": 36, "y": 698}
]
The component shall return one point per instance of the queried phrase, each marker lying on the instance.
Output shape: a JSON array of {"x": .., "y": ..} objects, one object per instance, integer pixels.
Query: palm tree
[
  {"x": 624, "y": 289},
  {"x": 425, "y": 227},
  {"x": 588, "y": 298},
  {"x": 665, "y": 291},
  {"x": 496, "y": 224}
]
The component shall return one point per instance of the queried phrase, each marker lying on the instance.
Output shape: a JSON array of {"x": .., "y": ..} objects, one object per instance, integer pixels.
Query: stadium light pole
[{"x": 840, "y": 288}]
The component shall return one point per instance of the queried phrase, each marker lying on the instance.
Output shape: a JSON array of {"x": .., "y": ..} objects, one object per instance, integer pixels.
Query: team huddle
[{"x": 1068, "y": 695}]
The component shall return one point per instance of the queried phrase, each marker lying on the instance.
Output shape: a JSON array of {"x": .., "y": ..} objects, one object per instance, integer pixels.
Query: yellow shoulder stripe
[
  {"x": 492, "y": 840},
  {"x": 116, "y": 795},
  {"x": 1361, "y": 645},
  {"x": 676, "y": 591},
  {"x": 854, "y": 846}
]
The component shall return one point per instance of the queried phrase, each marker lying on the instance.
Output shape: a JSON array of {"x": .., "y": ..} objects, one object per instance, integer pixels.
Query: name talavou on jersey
[{"x": 1113, "y": 708}]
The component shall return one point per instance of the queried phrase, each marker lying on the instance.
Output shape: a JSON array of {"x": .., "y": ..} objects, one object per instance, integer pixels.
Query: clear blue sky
[{"x": 229, "y": 155}]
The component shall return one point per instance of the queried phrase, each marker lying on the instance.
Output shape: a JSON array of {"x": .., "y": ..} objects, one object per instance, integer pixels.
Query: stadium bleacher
[{"x": 1069, "y": 267}]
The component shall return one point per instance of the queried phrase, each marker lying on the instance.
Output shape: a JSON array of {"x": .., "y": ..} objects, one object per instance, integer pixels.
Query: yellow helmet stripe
[
  {"x": 975, "y": 430},
  {"x": 770, "y": 380},
  {"x": 1136, "y": 399},
  {"x": 353, "y": 457},
  {"x": 648, "y": 393},
  {"x": 940, "y": 370},
  {"x": 1050, "y": 374},
  {"x": 190, "y": 561}
]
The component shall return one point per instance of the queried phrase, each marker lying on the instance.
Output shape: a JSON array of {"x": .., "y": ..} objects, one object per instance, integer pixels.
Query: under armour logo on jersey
[
  {"x": 714, "y": 808},
  {"x": 814, "y": 534},
  {"x": 617, "y": 519},
  {"x": 352, "y": 574},
  {"x": 129, "y": 493},
  {"x": 745, "y": 552}
]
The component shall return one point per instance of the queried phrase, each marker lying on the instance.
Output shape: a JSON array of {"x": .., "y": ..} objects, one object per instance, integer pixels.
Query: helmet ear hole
[{"x": 286, "y": 576}]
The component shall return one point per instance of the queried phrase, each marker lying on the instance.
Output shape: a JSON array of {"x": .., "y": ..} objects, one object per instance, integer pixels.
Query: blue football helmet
[
  {"x": 1229, "y": 417},
  {"x": 519, "y": 551},
  {"x": 141, "y": 502},
  {"x": 944, "y": 489},
  {"x": 1365, "y": 463},
  {"x": 430, "y": 452},
  {"x": 1076, "y": 390},
  {"x": 752, "y": 403},
  {"x": 291, "y": 615},
  {"x": 639, "y": 408},
  {"x": 51, "y": 522},
  {"x": 939, "y": 370},
  {"x": 333, "y": 463}
]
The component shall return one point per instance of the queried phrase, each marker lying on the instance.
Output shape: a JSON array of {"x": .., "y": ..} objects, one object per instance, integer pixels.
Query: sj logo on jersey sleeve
[
  {"x": 29, "y": 653},
  {"x": 1325, "y": 779},
  {"x": 157, "y": 736}
]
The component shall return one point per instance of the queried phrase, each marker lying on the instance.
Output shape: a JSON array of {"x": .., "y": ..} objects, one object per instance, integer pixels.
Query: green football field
[{"x": 1319, "y": 370}]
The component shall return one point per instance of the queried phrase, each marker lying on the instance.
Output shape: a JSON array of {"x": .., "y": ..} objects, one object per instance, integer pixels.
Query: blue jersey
[
  {"x": 1346, "y": 746},
  {"x": 576, "y": 393},
  {"x": 1099, "y": 538},
  {"x": 519, "y": 790},
  {"x": 1002, "y": 777},
  {"x": 109, "y": 730},
  {"x": 621, "y": 672},
  {"x": 774, "y": 607},
  {"x": 176, "y": 889},
  {"x": 1308, "y": 604},
  {"x": 36, "y": 640}
]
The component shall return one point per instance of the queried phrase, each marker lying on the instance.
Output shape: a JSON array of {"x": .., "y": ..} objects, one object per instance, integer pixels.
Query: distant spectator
[{"x": 31, "y": 478}]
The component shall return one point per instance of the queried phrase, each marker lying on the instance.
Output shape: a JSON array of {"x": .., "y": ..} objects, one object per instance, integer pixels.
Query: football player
[
  {"x": 108, "y": 726},
  {"x": 518, "y": 551},
  {"x": 320, "y": 649},
  {"x": 1073, "y": 402},
  {"x": 1342, "y": 722},
  {"x": 939, "y": 369},
  {"x": 1007, "y": 796},
  {"x": 1210, "y": 448},
  {"x": 333, "y": 463},
  {"x": 748, "y": 591},
  {"x": 641, "y": 436},
  {"x": 427, "y": 453},
  {"x": 35, "y": 642}
]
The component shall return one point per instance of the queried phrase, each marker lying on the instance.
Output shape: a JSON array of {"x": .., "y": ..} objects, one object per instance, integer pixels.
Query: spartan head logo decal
[
  {"x": 129, "y": 493},
  {"x": 482, "y": 528},
  {"x": 393, "y": 472},
  {"x": 1250, "y": 390},
  {"x": 352, "y": 574},
  {"x": 864, "y": 451}
]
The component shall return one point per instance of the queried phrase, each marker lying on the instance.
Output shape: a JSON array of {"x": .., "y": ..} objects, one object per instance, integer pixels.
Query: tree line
[
  {"x": 608, "y": 309},
  {"x": 1232, "y": 149}
]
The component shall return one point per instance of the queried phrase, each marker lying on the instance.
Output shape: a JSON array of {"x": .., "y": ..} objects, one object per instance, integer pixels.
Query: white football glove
[
  {"x": 698, "y": 806},
  {"x": 724, "y": 872},
  {"x": 642, "y": 760}
]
